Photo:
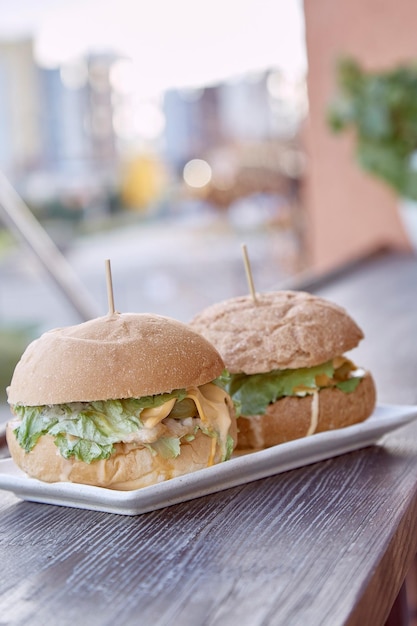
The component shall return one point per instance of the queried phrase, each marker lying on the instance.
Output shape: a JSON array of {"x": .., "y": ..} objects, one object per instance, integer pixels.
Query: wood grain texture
[{"x": 324, "y": 545}]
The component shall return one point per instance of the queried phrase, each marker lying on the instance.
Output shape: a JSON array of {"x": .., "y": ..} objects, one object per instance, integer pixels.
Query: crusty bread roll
[
  {"x": 287, "y": 330},
  {"x": 283, "y": 329},
  {"x": 291, "y": 417},
  {"x": 119, "y": 357}
]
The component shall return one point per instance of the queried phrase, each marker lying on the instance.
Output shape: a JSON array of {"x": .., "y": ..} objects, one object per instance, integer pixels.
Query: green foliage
[
  {"x": 13, "y": 341},
  {"x": 381, "y": 107}
]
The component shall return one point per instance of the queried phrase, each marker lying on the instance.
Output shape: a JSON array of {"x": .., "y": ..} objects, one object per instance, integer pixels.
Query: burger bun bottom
[
  {"x": 290, "y": 417},
  {"x": 127, "y": 468}
]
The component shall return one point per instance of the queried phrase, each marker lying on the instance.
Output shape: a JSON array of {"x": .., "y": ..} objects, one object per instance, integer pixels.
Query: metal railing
[{"x": 19, "y": 219}]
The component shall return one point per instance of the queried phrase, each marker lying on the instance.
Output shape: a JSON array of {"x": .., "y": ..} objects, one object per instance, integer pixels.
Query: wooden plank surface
[{"x": 323, "y": 545}]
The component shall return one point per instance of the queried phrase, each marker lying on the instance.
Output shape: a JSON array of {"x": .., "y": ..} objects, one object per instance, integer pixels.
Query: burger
[
  {"x": 288, "y": 374},
  {"x": 121, "y": 401}
]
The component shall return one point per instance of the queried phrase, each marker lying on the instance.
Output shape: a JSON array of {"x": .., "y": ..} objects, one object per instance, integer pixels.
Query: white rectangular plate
[{"x": 239, "y": 470}]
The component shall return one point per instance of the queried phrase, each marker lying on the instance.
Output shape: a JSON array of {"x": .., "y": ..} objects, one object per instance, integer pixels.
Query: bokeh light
[{"x": 197, "y": 173}]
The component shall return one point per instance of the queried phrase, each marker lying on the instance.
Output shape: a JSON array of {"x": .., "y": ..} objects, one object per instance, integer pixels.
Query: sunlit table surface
[{"x": 324, "y": 545}]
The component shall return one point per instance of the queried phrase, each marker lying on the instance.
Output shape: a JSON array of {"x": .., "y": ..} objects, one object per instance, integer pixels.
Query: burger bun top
[
  {"x": 116, "y": 356},
  {"x": 280, "y": 330}
]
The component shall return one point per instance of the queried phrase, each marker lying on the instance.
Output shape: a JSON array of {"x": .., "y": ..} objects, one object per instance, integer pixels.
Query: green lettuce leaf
[
  {"x": 82, "y": 449},
  {"x": 96, "y": 426},
  {"x": 88, "y": 430},
  {"x": 252, "y": 394},
  {"x": 223, "y": 380},
  {"x": 230, "y": 444},
  {"x": 34, "y": 425},
  {"x": 349, "y": 385},
  {"x": 184, "y": 408},
  {"x": 167, "y": 447}
]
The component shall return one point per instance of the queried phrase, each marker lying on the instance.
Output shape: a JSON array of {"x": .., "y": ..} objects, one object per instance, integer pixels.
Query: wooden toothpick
[
  {"x": 109, "y": 281},
  {"x": 249, "y": 273}
]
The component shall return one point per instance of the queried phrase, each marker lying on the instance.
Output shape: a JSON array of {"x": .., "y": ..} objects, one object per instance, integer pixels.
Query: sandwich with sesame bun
[
  {"x": 121, "y": 401},
  {"x": 288, "y": 374}
]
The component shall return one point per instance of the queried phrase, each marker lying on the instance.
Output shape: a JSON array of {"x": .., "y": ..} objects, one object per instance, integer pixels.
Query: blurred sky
[{"x": 181, "y": 43}]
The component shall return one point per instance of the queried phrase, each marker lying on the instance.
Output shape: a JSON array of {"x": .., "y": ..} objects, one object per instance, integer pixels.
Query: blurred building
[
  {"x": 66, "y": 144},
  {"x": 73, "y": 135},
  {"x": 56, "y": 133},
  {"x": 21, "y": 142},
  {"x": 99, "y": 116},
  {"x": 250, "y": 109}
]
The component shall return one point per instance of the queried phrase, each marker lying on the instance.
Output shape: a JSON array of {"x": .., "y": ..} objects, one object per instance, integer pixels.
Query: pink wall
[{"x": 350, "y": 213}]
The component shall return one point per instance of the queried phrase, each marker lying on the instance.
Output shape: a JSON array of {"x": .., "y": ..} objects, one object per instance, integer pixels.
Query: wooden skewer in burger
[
  {"x": 121, "y": 401},
  {"x": 287, "y": 370}
]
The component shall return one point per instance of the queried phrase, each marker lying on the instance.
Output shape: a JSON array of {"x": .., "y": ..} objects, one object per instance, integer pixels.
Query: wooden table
[{"x": 324, "y": 545}]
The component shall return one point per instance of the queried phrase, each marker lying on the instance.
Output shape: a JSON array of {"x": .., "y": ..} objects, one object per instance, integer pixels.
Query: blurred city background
[
  {"x": 161, "y": 137},
  {"x": 165, "y": 136}
]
